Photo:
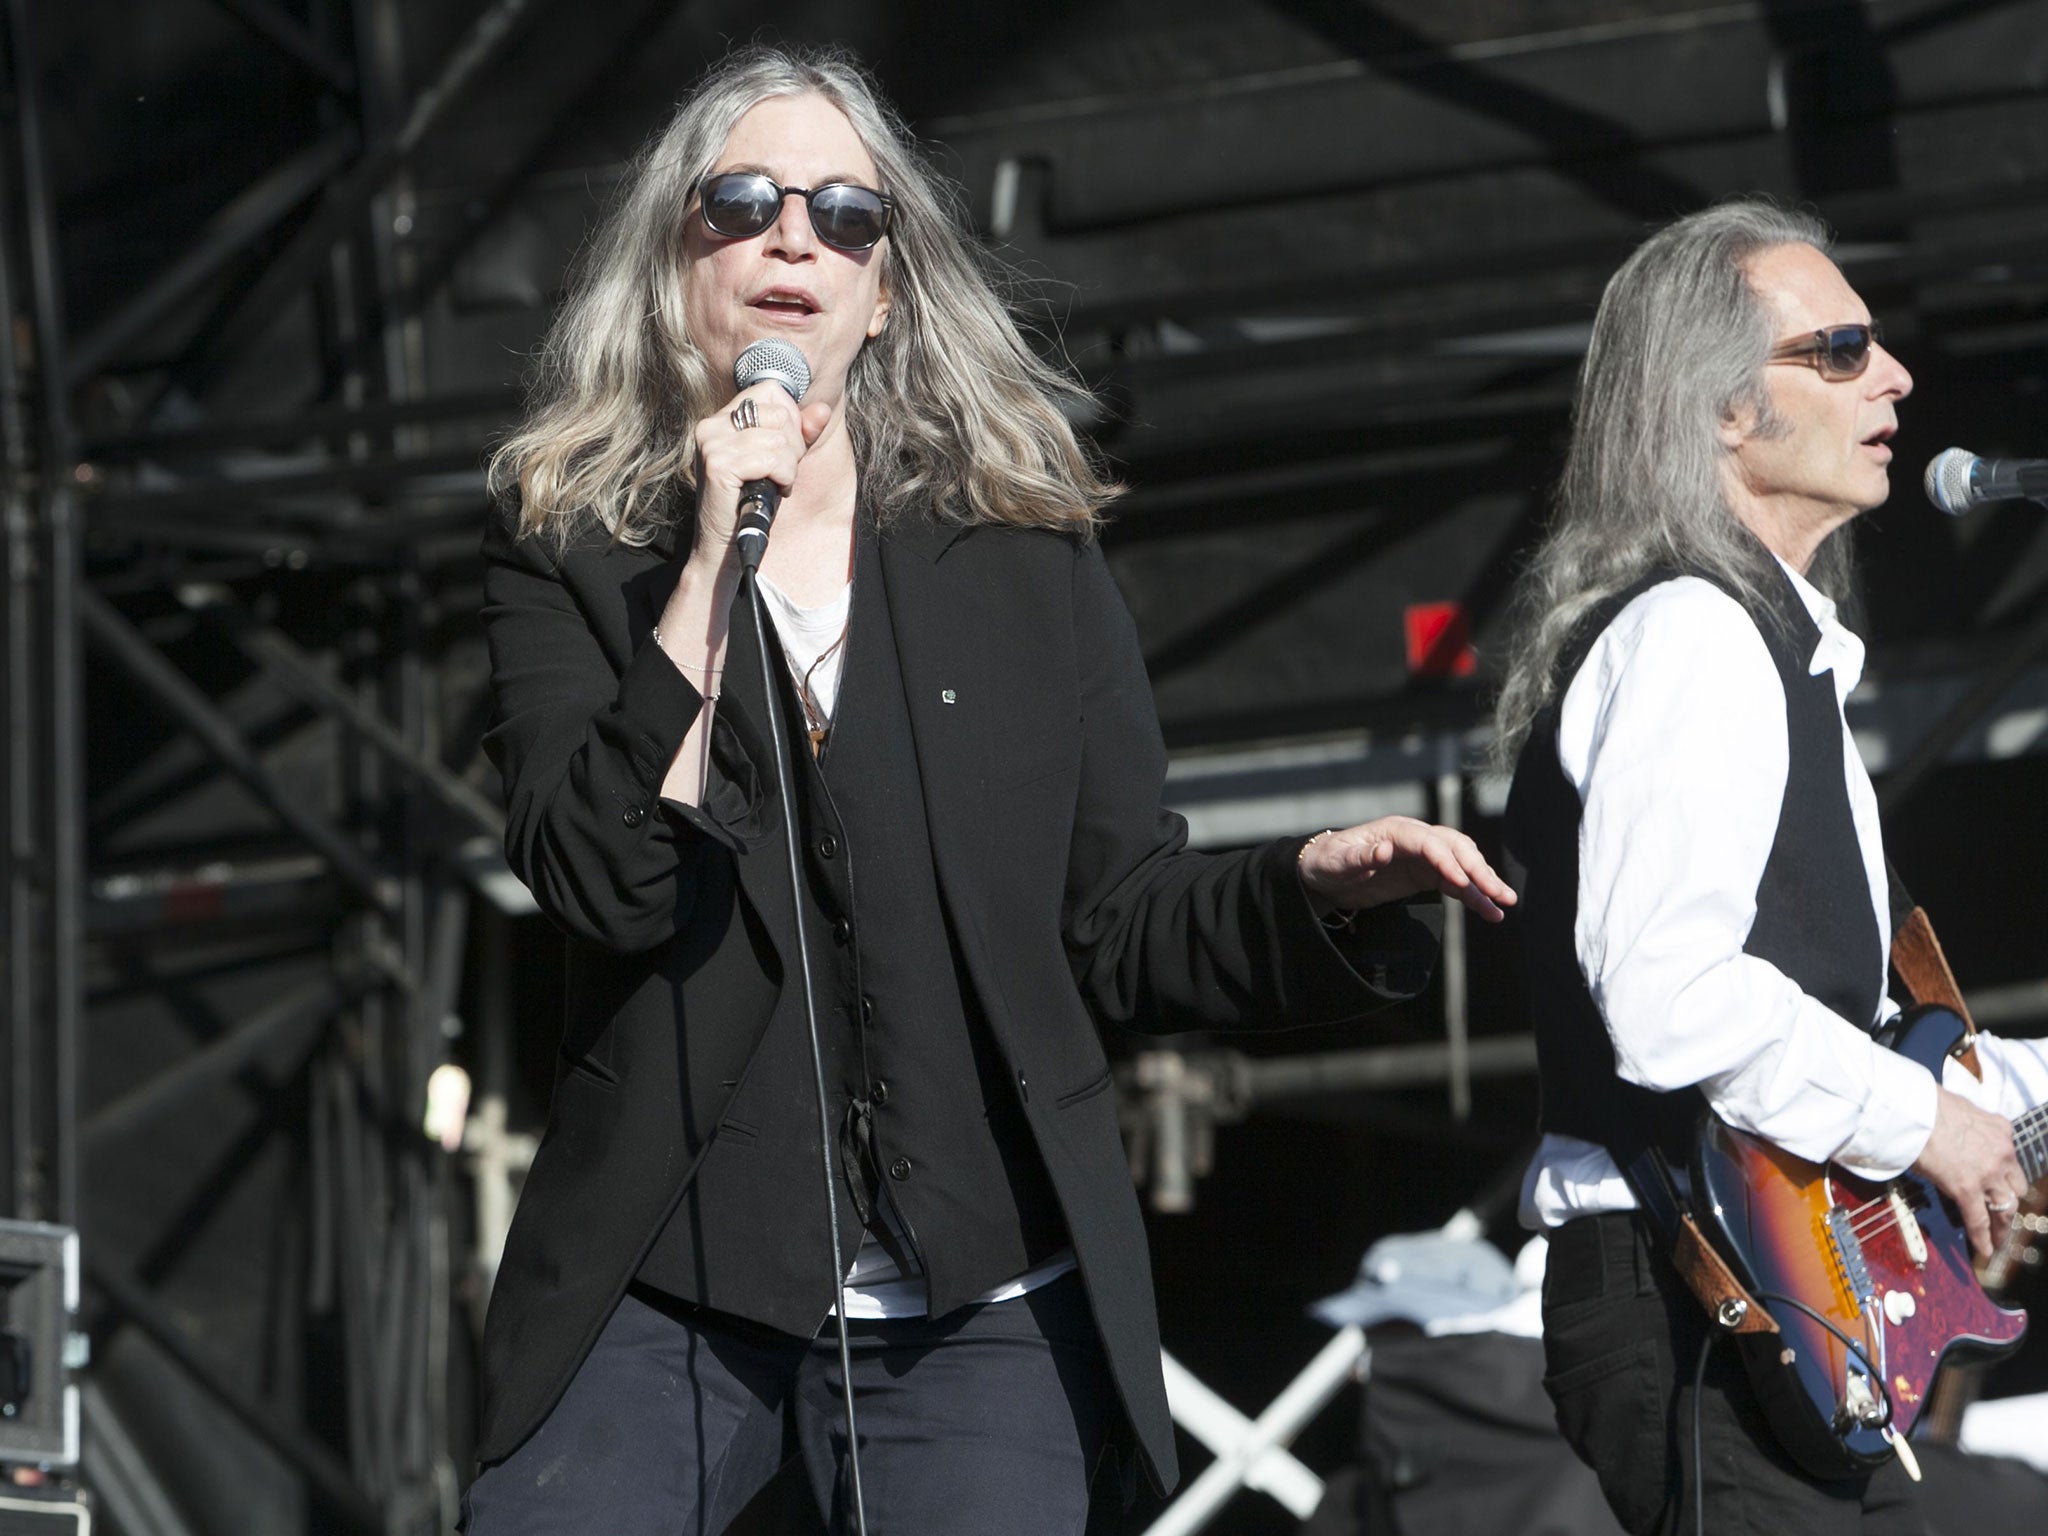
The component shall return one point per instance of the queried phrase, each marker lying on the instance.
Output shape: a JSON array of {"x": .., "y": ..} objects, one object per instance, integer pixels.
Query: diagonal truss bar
[
  {"x": 302, "y": 256},
  {"x": 1595, "y": 151},
  {"x": 288, "y": 37},
  {"x": 569, "y": 99},
  {"x": 302, "y": 675},
  {"x": 229, "y": 233},
  {"x": 1933, "y": 748},
  {"x": 322, "y": 1469},
  {"x": 296, "y": 1018},
  {"x": 148, "y": 666}
]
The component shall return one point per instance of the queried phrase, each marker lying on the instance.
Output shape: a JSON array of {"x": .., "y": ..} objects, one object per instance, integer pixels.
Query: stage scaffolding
[{"x": 279, "y": 595}]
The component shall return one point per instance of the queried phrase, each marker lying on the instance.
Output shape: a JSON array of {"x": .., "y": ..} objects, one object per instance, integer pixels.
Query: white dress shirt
[{"x": 1673, "y": 732}]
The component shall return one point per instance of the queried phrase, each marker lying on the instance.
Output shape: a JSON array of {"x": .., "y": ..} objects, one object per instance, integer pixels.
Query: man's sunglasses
[
  {"x": 1839, "y": 352},
  {"x": 740, "y": 204}
]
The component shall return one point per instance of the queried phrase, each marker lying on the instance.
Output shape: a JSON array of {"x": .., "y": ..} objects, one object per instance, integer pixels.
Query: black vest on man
[
  {"x": 1814, "y": 920},
  {"x": 920, "y": 1099}
]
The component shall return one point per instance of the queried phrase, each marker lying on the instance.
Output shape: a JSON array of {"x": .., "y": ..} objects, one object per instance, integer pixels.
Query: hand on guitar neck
[{"x": 1970, "y": 1158}]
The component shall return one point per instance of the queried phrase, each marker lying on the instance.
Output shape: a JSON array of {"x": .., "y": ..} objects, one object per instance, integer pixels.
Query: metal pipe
[
  {"x": 297, "y": 1019},
  {"x": 1450, "y": 810},
  {"x": 23, "y": 914},
  {"x": 324, "y": 1474},
  {"x": 1220, "y": 1427},
  {"x": 62, "y": 578},
  {"x": 307, "y": 250},
  {"x": 1932, "y": 748},
  {"x": 273, "y": 651},
  {"x": 227, "y": 235},
  {"x": 288, "y": 37},
  {"x": 1337, "y": 1363},
  {"x": 319, "y": 422},
  {"x": 149, "y": 667},
  {"x": 1390, "y": 1066}
]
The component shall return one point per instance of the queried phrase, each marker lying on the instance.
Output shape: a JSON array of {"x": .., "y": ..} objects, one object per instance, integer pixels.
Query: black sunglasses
[
  {"x": 847, "y": 217},
  {"x": 1837, "y": 353}
]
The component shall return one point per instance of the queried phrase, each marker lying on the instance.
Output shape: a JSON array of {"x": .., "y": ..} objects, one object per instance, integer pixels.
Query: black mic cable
[{"x": 758, "y": 501}]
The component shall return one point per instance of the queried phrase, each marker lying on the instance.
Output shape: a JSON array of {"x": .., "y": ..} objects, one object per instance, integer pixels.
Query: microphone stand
[{"x": 758, "y": 511}]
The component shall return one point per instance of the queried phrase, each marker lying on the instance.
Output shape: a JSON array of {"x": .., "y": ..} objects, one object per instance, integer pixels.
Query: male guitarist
[{"x": 1704, "y": 917}]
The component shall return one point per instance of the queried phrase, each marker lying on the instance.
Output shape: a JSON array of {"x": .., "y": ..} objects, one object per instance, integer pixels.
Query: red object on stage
[{"x": 1439, "y": 640}]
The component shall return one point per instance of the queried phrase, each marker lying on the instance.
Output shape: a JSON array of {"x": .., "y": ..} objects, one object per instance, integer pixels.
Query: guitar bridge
[{"x": 1849, "y": 1254}]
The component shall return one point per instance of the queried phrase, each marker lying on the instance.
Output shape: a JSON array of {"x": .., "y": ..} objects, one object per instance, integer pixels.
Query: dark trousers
[
  {"x": 1621, "y": 1338},
  {"x": 990, "y": 1420}
]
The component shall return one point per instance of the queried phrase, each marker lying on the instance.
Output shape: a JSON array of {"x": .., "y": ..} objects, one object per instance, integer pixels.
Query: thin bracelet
[
  {"x": 654, "y": 634},
  {"x": 1337, "y": 919}
]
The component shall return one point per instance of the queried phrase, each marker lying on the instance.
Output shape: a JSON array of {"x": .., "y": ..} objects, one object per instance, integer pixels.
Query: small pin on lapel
[{"x": 948, "y": 696}]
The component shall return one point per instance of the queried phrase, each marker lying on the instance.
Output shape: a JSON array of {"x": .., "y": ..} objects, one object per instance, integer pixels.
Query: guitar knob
[{"x": 1898, "y": 1306}]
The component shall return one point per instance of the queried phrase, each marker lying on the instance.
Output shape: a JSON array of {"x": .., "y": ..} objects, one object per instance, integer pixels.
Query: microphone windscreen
[
  {"x": 1947, "y": 481},
  {"x": 773, "y": 359}
]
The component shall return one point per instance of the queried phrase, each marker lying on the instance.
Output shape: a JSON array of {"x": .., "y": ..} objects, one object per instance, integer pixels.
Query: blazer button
[
  {"x": 867, "y": 1010},
  {"x": 634, "y": 815},
  {"x": 900, "y": 1169},
  {"x": 878, "y": 1096},
  {"x": 842, "y": 930},
  {"x": 828, "y": 846}
]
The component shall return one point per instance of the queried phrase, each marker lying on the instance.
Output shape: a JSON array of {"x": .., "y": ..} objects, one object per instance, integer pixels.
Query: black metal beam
[
  {"x": 314, "y": 423},
  {"x": 1929, "y": 752},
  {"x": 293, "y": 1022},
  {"x": 299, "y": 261},
  {"x": 227, "y": 235},
  {"x": 276, "y": 654},
  {"x": 291, "y": 39},
  {"x": 1599, "y": 153},
  {"x": 62, "y": 673},
  {"x": 324, "y": 1473},
  {"x": 148, "y": 666}
]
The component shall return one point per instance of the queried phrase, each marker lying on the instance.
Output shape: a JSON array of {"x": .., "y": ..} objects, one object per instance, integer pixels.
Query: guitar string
[{"x": 2030, "y": 1143}]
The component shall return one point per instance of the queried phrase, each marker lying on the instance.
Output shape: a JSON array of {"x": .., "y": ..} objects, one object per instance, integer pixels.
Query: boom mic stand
[{"x": 757, "y": 511}]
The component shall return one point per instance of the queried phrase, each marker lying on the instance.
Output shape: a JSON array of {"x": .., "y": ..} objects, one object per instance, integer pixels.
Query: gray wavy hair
[
  {"x": 950, "y": 403},
  {"x": 1679, "y": 344}
]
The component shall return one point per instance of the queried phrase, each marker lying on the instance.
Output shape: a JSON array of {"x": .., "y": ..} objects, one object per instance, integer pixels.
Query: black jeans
[
  {"x": 990, "y": 1420},
  {"x": 1621, "y": 1338}
]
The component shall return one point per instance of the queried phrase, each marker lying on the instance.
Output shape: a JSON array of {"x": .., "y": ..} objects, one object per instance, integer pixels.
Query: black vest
[
  {"x": 1814, "y": 919},
  {"x": 920, "y": 1097}
]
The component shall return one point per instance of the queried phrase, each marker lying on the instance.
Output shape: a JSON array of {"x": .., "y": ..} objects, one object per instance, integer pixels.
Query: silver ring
[
  {"x": 743, "y": 416},
  {"x": 2002, "y": 1210}
]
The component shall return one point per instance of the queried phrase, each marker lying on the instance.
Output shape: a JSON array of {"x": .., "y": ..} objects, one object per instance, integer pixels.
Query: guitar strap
[
  {"x": 1706, "y": 1274},
  {"x": 1923, "y": 968}
]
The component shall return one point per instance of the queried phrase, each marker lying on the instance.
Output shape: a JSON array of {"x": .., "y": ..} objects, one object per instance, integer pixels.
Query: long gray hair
[
  {"x": 949, "y": 404},
  {"x": 1680, "y": 344}
]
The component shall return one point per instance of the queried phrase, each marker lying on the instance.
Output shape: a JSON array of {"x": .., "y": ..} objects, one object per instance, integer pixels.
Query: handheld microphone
[
  {"x": 782, "y": 362},
  {"x": 1958, "y": 480}
]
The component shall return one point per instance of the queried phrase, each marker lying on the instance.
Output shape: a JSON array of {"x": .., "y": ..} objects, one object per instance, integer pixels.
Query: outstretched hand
[{"x": 1397, "y": 856}]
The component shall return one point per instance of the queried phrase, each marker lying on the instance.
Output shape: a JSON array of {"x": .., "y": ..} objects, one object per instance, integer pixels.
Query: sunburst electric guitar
[{"x": 1870, "y": 1285}]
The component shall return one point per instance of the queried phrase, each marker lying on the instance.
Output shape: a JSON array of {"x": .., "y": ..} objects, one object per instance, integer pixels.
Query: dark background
[{"x": 274, "y": 268}]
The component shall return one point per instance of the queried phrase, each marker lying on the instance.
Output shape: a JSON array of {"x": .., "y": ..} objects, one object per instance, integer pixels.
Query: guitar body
[{"x": 1910, "y": 1299}]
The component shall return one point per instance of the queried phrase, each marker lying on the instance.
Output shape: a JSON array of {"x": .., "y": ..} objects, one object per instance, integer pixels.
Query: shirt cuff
[{"x": 1897, "y": 1119}]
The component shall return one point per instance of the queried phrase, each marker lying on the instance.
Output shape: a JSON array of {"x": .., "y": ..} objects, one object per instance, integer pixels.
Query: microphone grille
[
  {"x": 772, "y": 359},
  {"x": 1947, "y": 481}
]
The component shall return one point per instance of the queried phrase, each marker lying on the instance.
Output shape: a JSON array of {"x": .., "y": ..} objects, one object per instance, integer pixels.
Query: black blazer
[{"x": 1068, "y": 886}]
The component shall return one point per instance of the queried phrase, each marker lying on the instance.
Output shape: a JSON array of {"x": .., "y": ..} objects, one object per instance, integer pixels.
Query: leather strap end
[{"x": 1708, "y": 1276}]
